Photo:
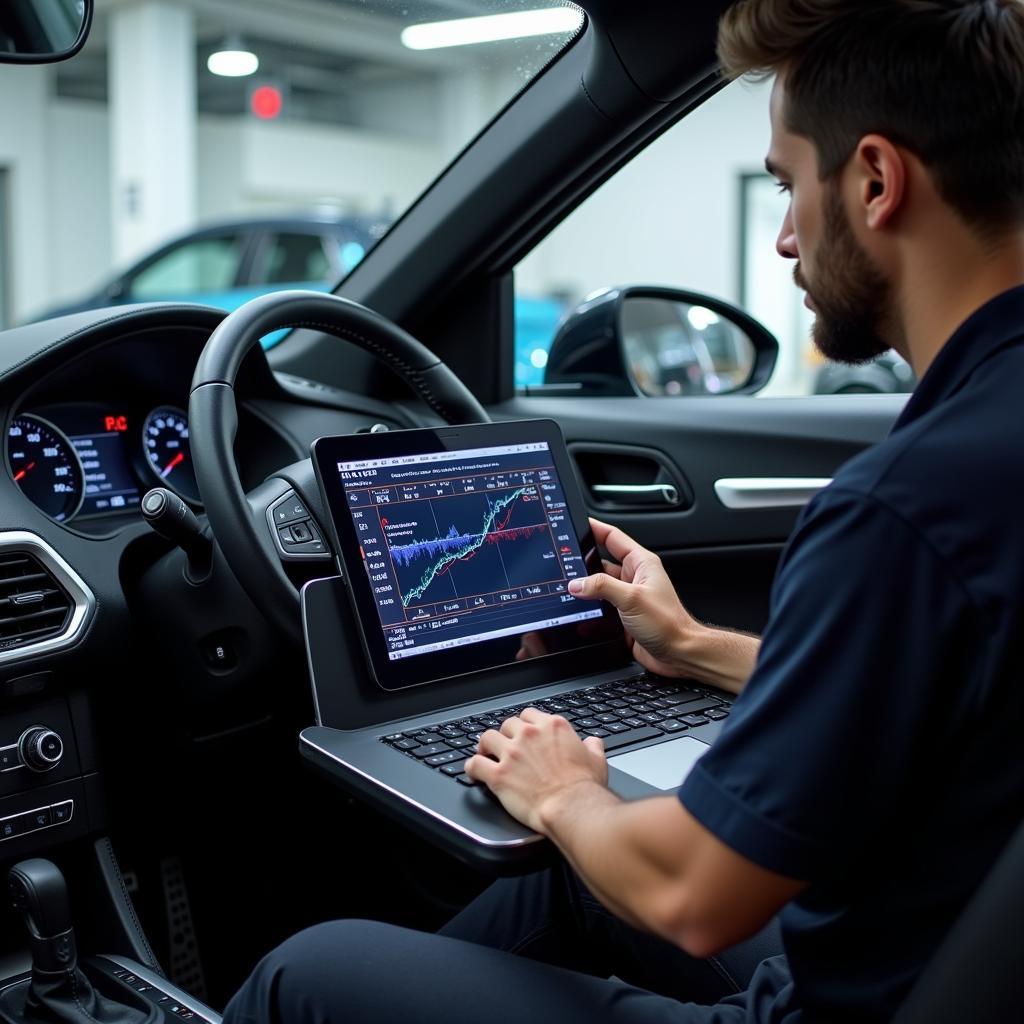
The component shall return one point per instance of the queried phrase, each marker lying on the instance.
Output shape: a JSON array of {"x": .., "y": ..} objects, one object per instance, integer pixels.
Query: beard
[{"x": 852, "y": 299}]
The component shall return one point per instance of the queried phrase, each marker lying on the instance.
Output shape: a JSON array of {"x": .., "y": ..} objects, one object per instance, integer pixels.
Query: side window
[
  {"x": 292, "y": 258},
  {"x": 202, "y": 265},
  {"x": 694, "y": 211}
]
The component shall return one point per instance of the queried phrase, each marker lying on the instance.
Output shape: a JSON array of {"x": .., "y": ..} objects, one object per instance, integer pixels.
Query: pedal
[{"x": 184, "y": 966}]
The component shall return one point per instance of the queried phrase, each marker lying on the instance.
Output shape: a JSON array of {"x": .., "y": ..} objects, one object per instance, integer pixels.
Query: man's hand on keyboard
[{"x": 534, "y": 758}]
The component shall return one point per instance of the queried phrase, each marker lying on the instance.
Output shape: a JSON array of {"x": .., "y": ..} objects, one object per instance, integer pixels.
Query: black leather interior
[{"x": 976, "y": 974}]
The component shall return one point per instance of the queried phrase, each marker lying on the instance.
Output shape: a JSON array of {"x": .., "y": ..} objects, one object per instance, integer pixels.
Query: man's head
[{"x": 887, "y": 115}]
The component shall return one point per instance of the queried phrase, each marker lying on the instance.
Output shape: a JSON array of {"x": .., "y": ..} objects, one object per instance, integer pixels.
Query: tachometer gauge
[
  {"x": 166, "y": 450},
  {"x": 45, "y": 466}
]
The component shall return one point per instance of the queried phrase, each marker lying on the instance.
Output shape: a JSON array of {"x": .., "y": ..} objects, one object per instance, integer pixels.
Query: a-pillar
[{"x": 152, "y": 124}]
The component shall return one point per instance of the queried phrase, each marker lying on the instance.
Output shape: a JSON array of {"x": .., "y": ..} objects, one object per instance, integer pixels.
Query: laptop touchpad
[{"x": 664, "y": 765}]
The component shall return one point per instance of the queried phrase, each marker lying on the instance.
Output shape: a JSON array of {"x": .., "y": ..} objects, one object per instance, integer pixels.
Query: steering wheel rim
[{"x": 239, "y": 529}]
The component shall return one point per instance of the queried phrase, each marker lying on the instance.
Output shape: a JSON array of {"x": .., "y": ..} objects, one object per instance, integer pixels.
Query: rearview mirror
[
  {"x": 43, "y": 31},
  {"x": 660, "y": 342}
]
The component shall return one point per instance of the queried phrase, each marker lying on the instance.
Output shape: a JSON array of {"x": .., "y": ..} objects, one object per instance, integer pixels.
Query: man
[{"x": 870, "y": 772}]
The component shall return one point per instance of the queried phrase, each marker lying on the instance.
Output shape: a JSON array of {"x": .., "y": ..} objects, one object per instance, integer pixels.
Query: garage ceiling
[{"x": 318, "y": 51}]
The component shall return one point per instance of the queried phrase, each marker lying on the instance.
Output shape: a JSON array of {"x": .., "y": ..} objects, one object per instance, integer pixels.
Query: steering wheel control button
[
  {"x": 288, "y": 509},
  {"x": 301, "y": 533},
  {"x": 10, "y": 758},
  {"x": 297, "y": 535},
  {"x": 41, "y": 748}
]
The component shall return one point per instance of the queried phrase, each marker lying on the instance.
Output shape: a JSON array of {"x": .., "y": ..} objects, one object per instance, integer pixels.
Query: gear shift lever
[
  {"x": 38, "y": 891},
  {"x": 59, "y": 993}
]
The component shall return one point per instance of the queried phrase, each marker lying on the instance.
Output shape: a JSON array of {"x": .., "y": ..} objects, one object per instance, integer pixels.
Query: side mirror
[
  {"x": 43, "y": 31},
  {"x": 660, "y": 342}
]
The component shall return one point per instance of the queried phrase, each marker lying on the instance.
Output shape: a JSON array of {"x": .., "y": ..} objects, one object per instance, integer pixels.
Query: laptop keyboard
[{"x": 621, "y": 712}]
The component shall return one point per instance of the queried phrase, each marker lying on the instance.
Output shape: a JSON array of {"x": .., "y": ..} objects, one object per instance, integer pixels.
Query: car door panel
[{"x": 721, "y": 559}]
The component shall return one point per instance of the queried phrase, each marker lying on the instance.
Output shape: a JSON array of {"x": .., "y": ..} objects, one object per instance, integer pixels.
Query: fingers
[
  {"x": 604, "y": 587},
  {"x": 511, "y": 727},
  {"x": 493, "y": 743},
  {"x": 612, "y": 569},
  {"x": 618, "y": 544},
  {"x": 481, "y": 768},
  {"x": 595, "y": 745}
]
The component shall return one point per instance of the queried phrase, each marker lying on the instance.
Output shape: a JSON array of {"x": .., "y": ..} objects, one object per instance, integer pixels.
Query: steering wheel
[{"x": 240, "y": 522}]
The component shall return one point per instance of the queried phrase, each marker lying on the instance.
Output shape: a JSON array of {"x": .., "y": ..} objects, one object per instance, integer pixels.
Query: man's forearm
[
  {"x": 720, "y": 657},
  {"x": 621, "y": 852}
]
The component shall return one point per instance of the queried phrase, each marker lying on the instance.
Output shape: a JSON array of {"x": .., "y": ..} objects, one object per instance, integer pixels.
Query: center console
[
  {"x": 52, "y": 805},
  {"x": 61, "y": 989},
  {"x": 49, "y": 791},
  {"x": 122, "y": 981}
]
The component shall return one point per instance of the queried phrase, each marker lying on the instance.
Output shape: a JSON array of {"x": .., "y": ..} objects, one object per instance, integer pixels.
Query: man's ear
[{"x": 880, "y": 171}]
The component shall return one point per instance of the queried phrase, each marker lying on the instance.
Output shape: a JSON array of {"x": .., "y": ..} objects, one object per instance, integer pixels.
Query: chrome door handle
[
  {"x": 636, "y": 494},
  {"x": 768, "y": 492}
]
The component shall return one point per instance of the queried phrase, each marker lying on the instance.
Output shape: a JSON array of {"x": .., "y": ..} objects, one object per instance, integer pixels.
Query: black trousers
[{"x": 536, "y": 949}]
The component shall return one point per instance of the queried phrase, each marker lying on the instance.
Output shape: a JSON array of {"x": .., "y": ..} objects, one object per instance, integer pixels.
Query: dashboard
[
  {"x": 95, "y": 414},
  {"x": 76, "y": 460},
  {"x": 87, "y": 436}
]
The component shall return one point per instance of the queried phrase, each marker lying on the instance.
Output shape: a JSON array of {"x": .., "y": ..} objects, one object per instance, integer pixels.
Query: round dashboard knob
[{"x": 41, "y": 748}]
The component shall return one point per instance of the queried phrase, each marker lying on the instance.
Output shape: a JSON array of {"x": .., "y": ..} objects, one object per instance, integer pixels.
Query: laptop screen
[{"x": 462, "y": 546}]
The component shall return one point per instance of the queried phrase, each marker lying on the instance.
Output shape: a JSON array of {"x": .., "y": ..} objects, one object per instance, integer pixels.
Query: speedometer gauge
[
  {"x": 166, "y": 449},
  {"x": 45, "y": 466}
]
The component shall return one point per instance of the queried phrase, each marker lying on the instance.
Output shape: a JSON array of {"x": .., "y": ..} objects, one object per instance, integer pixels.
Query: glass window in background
[
  {"x": 334, "y": 114},
  {"x": 203, "y": 265},
  {"x": 293, "y": 258},
  {"x": 678, "y": 215}
]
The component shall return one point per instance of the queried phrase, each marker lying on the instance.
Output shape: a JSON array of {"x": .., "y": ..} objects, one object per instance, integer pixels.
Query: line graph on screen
[{"x": 492, "y": 542}]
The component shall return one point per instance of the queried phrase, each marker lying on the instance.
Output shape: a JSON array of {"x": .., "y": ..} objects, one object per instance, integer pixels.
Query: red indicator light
[
  {"x": 266, "y": 102},
  {"x": 119, "y": 423}
]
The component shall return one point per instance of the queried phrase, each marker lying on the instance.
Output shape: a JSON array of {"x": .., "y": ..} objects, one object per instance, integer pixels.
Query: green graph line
[{"x": 442, "y": 563}]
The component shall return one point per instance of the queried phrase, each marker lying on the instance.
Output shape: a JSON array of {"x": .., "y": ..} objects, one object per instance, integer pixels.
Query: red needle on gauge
[
  {"x": 22, "y": 472},
  {"x": 180, "y": 457}
]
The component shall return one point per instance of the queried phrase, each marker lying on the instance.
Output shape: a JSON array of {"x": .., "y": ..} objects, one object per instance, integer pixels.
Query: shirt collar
[{"x": 988, "y": 329}]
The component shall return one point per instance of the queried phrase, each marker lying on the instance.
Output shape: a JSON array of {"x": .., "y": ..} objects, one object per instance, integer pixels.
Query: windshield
[{"x": 214, "y": 150}]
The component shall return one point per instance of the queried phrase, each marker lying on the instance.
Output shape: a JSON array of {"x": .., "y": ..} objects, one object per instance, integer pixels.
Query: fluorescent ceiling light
[
  {"x": 233, "y": 63},
  {"x": 434, "y": 35},
  {"x": 701, "y": 318}
]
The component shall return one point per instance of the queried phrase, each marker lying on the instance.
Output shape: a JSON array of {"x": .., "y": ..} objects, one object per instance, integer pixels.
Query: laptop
[{"x": 451, "y": 612}]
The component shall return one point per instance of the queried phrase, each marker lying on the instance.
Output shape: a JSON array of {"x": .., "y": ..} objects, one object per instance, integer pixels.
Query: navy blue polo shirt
[{"x": 876, "y": 750}]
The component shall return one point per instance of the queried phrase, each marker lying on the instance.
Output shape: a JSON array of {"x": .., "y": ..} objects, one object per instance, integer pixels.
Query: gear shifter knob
[
  {"x": 59, "y": 992},
  {"x": 38, "y": 891}
]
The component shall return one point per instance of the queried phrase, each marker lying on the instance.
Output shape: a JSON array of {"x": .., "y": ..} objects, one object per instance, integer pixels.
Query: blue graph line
[
  {"x": 452, "y": 541},
  {"x": 466, "y": 545}
]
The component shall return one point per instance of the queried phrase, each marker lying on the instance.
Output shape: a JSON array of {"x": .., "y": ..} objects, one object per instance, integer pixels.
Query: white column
[
  {"x": 152, "y": 125},
  {"x": 466, "y": 106},
  {"x": 24, "y": 93}
]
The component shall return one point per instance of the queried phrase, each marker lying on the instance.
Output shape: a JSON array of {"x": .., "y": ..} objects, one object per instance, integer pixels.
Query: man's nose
[{"x": 785, "y": 244}]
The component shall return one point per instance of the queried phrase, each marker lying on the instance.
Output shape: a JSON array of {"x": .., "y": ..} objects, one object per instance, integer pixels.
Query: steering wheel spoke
[{"x": 266, "y": 532}]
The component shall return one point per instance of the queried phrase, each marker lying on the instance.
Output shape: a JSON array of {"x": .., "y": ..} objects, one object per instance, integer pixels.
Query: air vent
[{"x": 34, "y": 607}]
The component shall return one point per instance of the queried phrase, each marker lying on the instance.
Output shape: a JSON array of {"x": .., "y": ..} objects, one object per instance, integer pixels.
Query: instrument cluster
[{"x": 81, "y": 460}]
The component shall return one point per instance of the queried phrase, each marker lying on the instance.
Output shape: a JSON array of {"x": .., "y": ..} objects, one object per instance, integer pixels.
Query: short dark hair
[{"x": 942, "y": 78}]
